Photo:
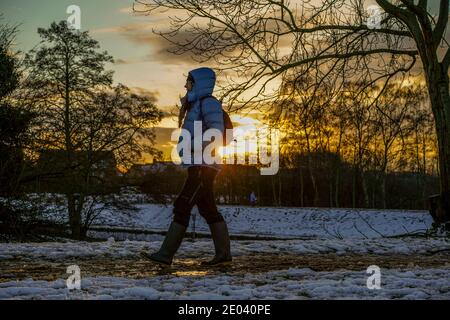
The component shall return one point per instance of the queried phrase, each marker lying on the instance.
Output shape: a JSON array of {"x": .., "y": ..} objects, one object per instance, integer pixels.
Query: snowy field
[
  {"x": 279, "y": 222},
  {"x": 320, "y": 254}
]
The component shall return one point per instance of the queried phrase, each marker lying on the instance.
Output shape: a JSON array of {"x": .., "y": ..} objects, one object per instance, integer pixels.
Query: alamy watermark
[
  {"x": 374, "y": 280},
  {"x": 258, "y": 146},
  {"x": 74, "y": 280},
  {"x": 74, "y": 20}
]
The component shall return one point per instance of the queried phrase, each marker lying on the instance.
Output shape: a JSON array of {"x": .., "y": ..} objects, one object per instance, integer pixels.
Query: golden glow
[
  {"x": 168, "y": 122},
  {"x": 245, "y": 134},
  {"x": 192, "y": 273}
]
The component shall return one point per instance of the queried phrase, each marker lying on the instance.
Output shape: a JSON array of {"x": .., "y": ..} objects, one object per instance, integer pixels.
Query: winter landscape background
[
  {"x": 307, "y": 253},
  {"x": 354, "y": 93}
]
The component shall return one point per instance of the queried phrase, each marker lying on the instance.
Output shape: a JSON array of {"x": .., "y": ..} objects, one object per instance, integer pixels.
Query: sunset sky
[{"x": 141, "y": 58}]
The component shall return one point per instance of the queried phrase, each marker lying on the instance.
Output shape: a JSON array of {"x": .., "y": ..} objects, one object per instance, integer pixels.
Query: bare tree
[
  {"x": 257, "y": 41},
  {"x": 301, "y": 115},
  {"x": 391, "y": 126},
  {"x": 85, "y": 126}
]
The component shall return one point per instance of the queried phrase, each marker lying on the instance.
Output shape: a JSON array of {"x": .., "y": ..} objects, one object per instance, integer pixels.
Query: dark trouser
[{"x": 197, "y": 190}]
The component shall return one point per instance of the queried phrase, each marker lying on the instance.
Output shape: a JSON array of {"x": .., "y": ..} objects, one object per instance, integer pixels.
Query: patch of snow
[
  {"x": 287, "y": 284},
  {"x": 131, "y": 249},
  {"x": 276, "y": 221}
]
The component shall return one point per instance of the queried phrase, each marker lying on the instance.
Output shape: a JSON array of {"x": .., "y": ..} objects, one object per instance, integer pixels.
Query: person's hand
[
  {"x": 183, "y": 110},
  {"x": 181, "y": 116},
  {"x": 183, "y": 101}
]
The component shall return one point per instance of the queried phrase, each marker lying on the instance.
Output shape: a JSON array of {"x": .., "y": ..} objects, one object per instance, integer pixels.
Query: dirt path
[{"x": 16, "y": 269}]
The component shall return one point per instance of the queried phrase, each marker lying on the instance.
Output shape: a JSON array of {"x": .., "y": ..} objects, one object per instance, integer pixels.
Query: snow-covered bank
[
  {"x": 286, "y": 284},
  {"x": 294, "y": 222},
  {"x": 330, "y": 263},
  {"x": 328, "y": 223},
  {"x": 127, "y": 249}
]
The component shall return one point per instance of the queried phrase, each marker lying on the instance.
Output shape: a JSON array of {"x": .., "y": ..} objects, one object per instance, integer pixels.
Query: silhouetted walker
[{"x": 198, "y": 105}]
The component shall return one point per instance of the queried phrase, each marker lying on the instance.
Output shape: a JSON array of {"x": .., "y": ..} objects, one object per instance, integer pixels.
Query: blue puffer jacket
[{"x": 211, "y": 113}]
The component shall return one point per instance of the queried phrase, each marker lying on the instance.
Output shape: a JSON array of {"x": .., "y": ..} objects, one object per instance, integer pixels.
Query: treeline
[
  {"x": 294, "y": 186},
  {"x": 341, "y": 147},
  {"x": 365, "y": 141}
]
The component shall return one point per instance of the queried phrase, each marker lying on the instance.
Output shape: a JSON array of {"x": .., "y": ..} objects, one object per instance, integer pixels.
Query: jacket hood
[{"x": 204, "y": 82}]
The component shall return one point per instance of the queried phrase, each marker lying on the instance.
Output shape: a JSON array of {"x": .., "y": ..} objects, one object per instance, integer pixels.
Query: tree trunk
[
  {"x": 383, "y": 190},
  {"x": 364, "y": 188},
  {"x": 274, "y": 192},
  {"x": 336, "y": 192},
  {"x": 438, "y": 87},
  {"x": 424, "y": 171},
  {"x": 354, "y": 186},
  {"x": 331, "y": 187},
  {"x": 279, "y": 189},
  {"x": 74, "y": 217},
  {"x": 313, "y": 181},
  {"x": 302, "y": 189}
]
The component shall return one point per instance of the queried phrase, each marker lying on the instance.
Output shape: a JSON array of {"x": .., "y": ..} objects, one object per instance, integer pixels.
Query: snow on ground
[
  {"x": 124, "y": 249},
  {"x": 287, "y": 284},
  {"x": 313, "y": 231},
  {"x": 282, "y": 222}
]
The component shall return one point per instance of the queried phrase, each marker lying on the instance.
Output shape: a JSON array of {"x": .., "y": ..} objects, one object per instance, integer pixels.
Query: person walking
[
  {"x": 253, "y": 199},
  {"x": 198, "y": 105}
]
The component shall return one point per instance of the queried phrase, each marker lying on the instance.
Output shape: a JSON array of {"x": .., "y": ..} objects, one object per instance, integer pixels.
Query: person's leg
[
  {"x": 186, "y": 199},
  {"x": 182, "y": 212},
  {"x": 217, "y": 225},
  {"x": 206, "y": 201}
]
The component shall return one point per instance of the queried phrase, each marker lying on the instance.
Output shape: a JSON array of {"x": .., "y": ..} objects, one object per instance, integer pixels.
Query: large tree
[
  {"x": 85, "y": 126},
  {"x": 14, "y": 121},
  {"x": 257, "y": 41}
]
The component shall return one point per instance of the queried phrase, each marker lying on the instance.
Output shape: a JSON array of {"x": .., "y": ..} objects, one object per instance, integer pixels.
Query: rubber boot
[
  {"x": 221, "y": 238},
  {"x": 170, "y": 245}
]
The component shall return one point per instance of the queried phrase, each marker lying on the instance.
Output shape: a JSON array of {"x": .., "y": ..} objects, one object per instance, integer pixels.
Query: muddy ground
[{"x": 41, "y": 269}]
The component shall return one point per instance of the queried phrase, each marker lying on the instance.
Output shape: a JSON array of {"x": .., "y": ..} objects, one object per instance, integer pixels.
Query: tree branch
[
  {"x": 441, "y": 24},
  {"x": 347, "y": 55}
]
